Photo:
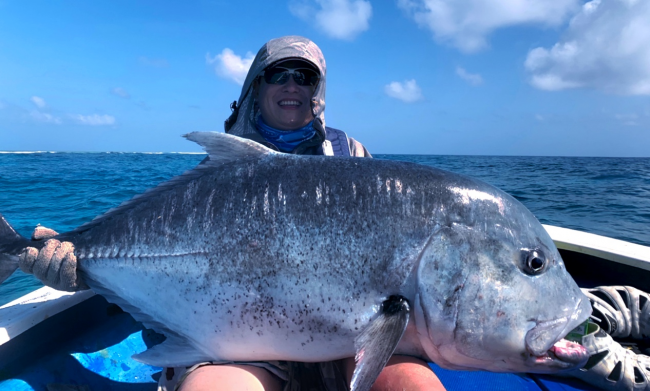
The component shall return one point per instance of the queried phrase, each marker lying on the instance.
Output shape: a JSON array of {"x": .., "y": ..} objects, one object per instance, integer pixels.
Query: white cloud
[
  {"x": 121, "y": 92},
  {"x": 231, "y": 66},
  {"x": 466, "y": 24},
  {"x": 539, "y": 117},
  {"x": 472, "y": 78},
  {"x": 341, "y": 19},
  {"x": 39, "y": 102},
  {"x": 94, "y": 119},
  {"x": 44, "y": 117},
  {"x": 408, "y": 91},
  {"x": 605, "y": 47}
]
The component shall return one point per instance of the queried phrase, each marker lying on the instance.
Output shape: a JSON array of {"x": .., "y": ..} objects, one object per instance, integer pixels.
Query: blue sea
[{"x": 605, "y": 196}]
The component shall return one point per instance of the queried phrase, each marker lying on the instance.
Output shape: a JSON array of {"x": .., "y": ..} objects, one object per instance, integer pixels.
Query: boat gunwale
[
  {"x": 27, "y": 311},
  {"x": 599, "y": 246}
]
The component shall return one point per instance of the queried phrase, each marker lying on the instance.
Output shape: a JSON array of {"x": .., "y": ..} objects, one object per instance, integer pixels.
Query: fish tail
[{"x": 11, "y": 244}]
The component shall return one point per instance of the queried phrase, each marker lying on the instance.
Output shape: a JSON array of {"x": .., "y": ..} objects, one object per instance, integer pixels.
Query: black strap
[{"x": 233, "y": 117}]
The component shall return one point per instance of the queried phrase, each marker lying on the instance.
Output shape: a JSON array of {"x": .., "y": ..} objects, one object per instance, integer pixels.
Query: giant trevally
[{"x": 256, "y": 255}]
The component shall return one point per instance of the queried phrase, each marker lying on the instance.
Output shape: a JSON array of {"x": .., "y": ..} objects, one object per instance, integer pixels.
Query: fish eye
[{"x": 534, "y": 262}]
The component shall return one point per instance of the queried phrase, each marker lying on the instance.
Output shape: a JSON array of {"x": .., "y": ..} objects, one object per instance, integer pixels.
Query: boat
[{"x": 60, "y": 341}]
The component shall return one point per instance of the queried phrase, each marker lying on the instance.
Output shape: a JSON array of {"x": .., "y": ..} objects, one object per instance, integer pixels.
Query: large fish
[{"x": 256, "y": 255}]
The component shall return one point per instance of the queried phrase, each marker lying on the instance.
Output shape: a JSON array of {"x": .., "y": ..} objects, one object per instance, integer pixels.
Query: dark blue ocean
[{"x": 605, "y": 196}]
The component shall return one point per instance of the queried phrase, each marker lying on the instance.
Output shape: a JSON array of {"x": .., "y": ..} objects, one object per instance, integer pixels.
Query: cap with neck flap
[{"x": 274, "y": 51}]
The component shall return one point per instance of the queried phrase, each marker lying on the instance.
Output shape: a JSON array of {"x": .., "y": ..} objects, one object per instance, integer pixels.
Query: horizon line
[
  {"x": 376, "y": 154},
  {"x": 143, "y": 152}
]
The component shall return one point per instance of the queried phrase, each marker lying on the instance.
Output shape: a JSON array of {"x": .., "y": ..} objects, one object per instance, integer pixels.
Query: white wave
[
  {"x": 106, "y": 152},
  {"x": 25, "y": 152}
]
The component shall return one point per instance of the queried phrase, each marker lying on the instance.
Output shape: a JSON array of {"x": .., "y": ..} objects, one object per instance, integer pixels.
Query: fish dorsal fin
[{"x": 224, "y": 148}]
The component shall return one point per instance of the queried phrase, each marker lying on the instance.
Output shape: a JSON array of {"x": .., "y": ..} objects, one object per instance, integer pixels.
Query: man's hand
[
  {"x": 55, "y": 264},
  {"x": 41, "y": 233}
]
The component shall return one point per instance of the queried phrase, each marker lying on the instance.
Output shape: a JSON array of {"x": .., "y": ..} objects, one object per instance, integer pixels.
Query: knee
[
  {"x": 230, "y": 378},
  {"x": 408, "y": 373},
  {"x": 401, "y": 372}
]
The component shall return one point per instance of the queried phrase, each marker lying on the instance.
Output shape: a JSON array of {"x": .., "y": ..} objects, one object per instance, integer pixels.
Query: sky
[{"x": 443, "y": 77}]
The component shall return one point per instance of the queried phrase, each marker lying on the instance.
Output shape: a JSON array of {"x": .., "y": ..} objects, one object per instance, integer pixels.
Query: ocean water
[{"x": 605, "y": 196}]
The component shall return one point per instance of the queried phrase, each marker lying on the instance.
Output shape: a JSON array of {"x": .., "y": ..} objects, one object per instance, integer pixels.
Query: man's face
[{"x": 285, "y": 106}]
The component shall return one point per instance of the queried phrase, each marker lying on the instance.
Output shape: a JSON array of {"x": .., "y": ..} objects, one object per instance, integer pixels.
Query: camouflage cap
[{"x": 274, "y": 51}]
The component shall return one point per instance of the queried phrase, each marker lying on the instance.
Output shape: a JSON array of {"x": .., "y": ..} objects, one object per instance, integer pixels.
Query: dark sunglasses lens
[
  {"x": 302, "y": 77},
  {"x": 276, "y": 76},
  {"x": 309, "y": 77}
]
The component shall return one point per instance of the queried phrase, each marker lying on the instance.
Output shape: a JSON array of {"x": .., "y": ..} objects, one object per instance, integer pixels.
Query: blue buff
[{"x": 285, "y": 140}]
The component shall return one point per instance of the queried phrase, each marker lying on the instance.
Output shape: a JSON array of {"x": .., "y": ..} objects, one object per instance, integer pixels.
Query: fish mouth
[
  {"x": 547, "y": 347},
  {"x": 563, "y": 355}
]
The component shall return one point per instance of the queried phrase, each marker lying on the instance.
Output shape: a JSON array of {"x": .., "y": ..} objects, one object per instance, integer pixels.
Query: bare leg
[
  {"x": 402, "y": 373},
  {"x": 231, "y": 378}
]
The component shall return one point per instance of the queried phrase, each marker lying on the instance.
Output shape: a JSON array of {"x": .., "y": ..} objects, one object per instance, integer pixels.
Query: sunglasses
[{"x": 280, "y": 75}]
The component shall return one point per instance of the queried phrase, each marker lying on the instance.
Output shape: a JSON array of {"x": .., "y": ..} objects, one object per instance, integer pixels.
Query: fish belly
[{"x": 239, "y": 319}]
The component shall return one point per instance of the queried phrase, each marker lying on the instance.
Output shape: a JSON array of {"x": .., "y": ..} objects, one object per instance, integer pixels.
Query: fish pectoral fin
[
  {"x": 378, "y": 341},
  {"x": 173, "y": 352}
]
